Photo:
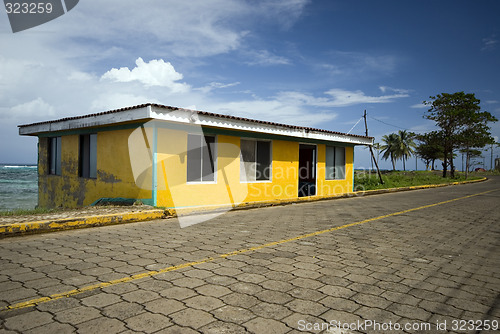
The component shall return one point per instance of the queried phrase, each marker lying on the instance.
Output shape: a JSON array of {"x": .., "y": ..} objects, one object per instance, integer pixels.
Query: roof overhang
[{"x": 192, "y": 117}]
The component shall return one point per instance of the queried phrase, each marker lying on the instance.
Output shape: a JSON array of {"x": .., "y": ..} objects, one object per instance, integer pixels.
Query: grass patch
[
  {"x": 370, "y": 181},
  {"x": 27, "y": 212}
]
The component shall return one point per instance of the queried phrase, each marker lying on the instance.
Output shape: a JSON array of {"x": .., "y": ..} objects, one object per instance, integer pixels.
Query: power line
[
  {"x": 396, "y": 126},
  {"x": 359, "y": 120}
]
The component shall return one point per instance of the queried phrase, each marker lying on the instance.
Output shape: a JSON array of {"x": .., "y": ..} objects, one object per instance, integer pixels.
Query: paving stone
[
  {"x": 140, "y": 296},
  {"x": 240, "y": 300},
  {"x": 276, "y": 285},
  {"x": 164, "y": 306},
  {"x": 213, "y": 290},
  {"x": 148, "y": 322},
  {"x": 233, "y": 314},
  {"x": 338, "y": 303},
  {"x": 337, "y": 291},
  {"x": 401, "y": 298},
  {"x": 192, "y": 318},
  {"x": 250, "y": 278},
  {"x": 219, "y": 327},
  {"x": 177, "y": 330},
  {"x": 271, "y": 311},
  {"x": 306, "y": 283},
  {"x": 205, "y": 303},
  {"x": 26, "y": 321},
  {"x": 440, "y": 308},
  {"x": 122, "y": 310},
  {"x": 371, "y": 300},
  {"x": 264, "y": 326},
  {"x": 57, "y": 305},
  {"x": 77, "y": 315},
  {"x": 53, "y": 327},
  {"x": 245, "y": 288},
  {"x": 178, "y": 293},
  {"x": 376, "y": 314},
  {"x": 410, "y": 312},
  {"x": 101, "y": 299},
  {"x": 95, "y": 326},
  {"x": 271, "y": 296}
]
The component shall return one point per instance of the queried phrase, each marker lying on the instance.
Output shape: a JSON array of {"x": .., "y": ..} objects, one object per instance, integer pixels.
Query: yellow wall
[
  {"x": 114, "y": 176},
  {"x": 120, "y": 176}
]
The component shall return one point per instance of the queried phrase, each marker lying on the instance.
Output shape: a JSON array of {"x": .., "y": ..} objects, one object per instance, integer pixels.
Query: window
[
  {"x": 335, "y": 163},
  {"x": 200, "y": 158},
  {"x": 255, "y": 160},
  {"x": 88, "y": 156},
  {"x": 54, "y": 155}
]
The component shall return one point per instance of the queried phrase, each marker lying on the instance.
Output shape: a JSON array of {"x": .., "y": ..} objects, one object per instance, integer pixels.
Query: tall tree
[
  {"x": 390, "y": 148},
  {"x": 406, "y": 146},
  {"x": 430, "y": 148},
  {"x": 460, "y": 119}
]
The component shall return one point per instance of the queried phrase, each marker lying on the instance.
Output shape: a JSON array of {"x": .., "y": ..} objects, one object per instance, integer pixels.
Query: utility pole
[
  {"x": 371, "y": 151},
  {"x": 491, "y": 163}
]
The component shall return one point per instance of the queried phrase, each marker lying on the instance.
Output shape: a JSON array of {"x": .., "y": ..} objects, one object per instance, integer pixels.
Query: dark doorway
[{"x": 307, "y": 170}]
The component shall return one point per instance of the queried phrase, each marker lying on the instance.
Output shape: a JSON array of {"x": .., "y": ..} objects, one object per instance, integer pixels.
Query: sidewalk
[{"x": 77, "y": 218}]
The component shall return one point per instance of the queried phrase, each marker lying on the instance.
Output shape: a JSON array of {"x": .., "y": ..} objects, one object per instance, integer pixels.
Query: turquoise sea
[{"x": 18, "y": 186}]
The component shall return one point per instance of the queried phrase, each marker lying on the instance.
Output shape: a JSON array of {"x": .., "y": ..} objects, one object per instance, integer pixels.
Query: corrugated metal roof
[{"x": 197, "y": 112}]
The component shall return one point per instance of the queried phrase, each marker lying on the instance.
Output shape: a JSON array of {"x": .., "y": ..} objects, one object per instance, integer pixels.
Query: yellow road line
[{"x": 70, "y": 293}]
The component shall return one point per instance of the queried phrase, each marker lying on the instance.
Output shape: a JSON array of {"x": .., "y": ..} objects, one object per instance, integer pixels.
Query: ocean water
[{"x": 18, "y": 186}]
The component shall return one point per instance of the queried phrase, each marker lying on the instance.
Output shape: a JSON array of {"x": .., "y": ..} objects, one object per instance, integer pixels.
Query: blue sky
[{"x": 312, "y": 63}]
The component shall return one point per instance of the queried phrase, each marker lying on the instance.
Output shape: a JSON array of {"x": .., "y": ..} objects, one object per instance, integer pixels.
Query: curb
[
  {"x": 44, "y": 226},
  {"x": 78, "y": 222},
  {"x": 426, "y": 186}
]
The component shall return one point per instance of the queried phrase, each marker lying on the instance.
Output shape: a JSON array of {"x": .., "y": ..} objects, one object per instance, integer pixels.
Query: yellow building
[{"x": 187, "y": 160}]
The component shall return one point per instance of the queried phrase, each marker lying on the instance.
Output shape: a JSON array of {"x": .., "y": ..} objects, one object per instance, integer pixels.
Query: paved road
[{"x": 410, "y": 260}]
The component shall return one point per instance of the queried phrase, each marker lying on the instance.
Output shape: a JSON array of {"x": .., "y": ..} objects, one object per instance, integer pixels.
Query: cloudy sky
[{"x": 315, "y": 63}]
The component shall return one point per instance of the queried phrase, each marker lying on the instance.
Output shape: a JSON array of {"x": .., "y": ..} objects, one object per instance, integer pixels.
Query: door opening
[{"x": 307, "y": 170}]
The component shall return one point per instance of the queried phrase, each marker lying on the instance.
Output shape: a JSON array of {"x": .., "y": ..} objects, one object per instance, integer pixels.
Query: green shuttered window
[
  {"x": 201, "y": 157},
  {"x": 335, "y": 163}
]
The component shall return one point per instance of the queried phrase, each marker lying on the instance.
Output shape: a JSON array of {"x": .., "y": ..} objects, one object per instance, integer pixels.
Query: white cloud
[
  {"x": 266, "y": 58},
  {"x": 275, "y": 109},
  {"x": 419, "y": 106},
  {"x": 489, "y": 43},
  {"x": 342, "y": 98},
  {"x": 110, "y": 101},
  {"x": 154, "y": 73},
  {"x": 26, "y": 111},
  {"x": 216, "y": 85},
  {"x": 285, "y": 12}
]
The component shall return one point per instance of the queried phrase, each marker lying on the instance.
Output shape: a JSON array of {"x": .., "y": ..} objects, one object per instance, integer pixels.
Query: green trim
[
  {"x": 82, "y": 131},
  {"x": 247, "y": 134},
  {"x": 154, "y": 169}
]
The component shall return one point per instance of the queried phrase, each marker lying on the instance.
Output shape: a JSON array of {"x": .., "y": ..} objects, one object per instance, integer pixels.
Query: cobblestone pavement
[{"x": 246, "y": 271}]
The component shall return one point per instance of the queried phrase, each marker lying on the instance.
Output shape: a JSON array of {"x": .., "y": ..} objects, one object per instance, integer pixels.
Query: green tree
[
  {"x": 429, "y": 149},
  {"x": 390, "y": 148},
  {"x": 405, "y": 146},
  {"x": 461, "y": 124}
]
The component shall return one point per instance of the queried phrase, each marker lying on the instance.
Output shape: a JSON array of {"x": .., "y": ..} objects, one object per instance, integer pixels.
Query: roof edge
[{"x": 147, "y": 115}]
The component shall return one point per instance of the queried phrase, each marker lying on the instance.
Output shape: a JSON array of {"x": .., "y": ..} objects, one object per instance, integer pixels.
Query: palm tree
[
  {"x": 390, "y": 148},
  {"x": 406, "y": 146}
]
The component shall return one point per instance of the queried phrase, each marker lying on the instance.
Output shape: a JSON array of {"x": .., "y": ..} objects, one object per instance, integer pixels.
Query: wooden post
[{"x": 371, "y": 151}]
